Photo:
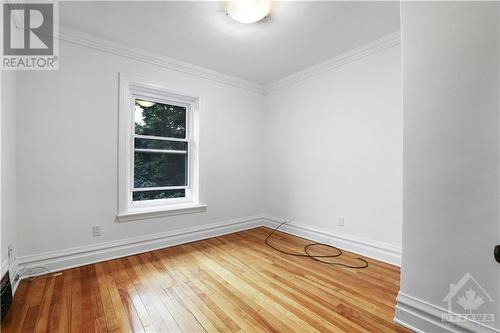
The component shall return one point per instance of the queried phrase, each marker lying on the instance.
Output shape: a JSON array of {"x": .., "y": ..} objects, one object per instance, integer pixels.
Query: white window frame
[{"x": 137, "y": 88}]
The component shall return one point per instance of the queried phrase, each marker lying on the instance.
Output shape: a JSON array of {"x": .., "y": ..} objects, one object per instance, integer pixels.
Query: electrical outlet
[
  {"x": 340, "y": 221},
  {"x": 10, "y": 251},
  {"x": 96, "y": 230}
]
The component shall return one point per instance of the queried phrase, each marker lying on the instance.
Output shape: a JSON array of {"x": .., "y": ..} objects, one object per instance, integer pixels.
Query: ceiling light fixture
[{"x": 248, "y": 11}]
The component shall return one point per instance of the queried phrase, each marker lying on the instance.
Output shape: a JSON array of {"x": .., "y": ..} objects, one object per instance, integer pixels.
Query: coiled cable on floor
[{"x": 319, "y": 258}]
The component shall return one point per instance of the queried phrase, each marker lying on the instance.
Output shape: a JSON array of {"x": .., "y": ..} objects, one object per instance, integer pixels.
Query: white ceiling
[{"x": 295, "y": 36}]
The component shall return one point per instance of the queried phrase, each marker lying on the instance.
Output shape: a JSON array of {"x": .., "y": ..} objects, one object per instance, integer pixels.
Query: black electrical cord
[
  {"x": 315, "y": 257},
  {"x": 301, "y": 254}
]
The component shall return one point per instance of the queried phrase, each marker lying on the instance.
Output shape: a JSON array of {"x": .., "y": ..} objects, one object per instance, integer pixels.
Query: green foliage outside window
[{"x": 159, "y": 169}]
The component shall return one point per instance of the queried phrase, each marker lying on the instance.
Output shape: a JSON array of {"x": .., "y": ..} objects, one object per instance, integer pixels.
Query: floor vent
[{"x": 5, "y": 295}]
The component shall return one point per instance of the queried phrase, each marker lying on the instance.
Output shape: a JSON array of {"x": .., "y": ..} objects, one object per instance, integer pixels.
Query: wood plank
[
  {"x": 148, "y": 290},
  {"x": 233, "y": 283}
]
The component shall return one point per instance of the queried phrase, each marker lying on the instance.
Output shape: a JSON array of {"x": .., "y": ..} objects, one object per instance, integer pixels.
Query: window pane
[
  {"x": 160, "y": 119},
  {"x": 159, "y": 169},
  {"x": 163, "y": 194},
  {"x": 160, "y": 144}
]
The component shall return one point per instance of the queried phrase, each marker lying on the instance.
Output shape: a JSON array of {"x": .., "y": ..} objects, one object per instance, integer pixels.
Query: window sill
[{"x": 149, "y": 213}]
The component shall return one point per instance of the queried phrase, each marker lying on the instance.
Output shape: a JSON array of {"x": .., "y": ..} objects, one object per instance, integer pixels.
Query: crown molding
[
  {"x": 104, "y": 45},
  {"x": 358, "y": 53}
]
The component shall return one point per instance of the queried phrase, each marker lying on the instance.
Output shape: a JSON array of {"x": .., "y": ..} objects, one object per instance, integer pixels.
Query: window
[{"x": 158, "y": 153}]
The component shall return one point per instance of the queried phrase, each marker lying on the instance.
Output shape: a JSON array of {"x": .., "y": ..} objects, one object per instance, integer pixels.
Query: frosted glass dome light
[{"x": 248, "y": 11}]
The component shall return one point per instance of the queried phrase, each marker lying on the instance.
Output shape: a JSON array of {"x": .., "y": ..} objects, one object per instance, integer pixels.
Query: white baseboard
[
  {"x": 11, "y": 266},
  {"x": 421, "y": 316},
  {"x": 376, "y": 250},
  {"x": 54, "y": 261},
  {"x": 5, "y": 267},
  {"x": 79, "y": 256}
]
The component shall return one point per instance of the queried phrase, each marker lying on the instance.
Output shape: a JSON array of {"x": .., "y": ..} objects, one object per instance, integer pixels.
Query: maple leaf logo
[{"x": 470, "y": 301}]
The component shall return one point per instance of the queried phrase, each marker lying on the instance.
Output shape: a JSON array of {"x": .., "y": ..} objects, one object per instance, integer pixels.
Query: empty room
[{"x": 250, "y": 166}]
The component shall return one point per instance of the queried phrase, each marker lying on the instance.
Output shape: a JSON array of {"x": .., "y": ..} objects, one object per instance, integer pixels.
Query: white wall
[
  {"x": 451, "y": 154},
  {"x": 8, "y": 169},
  {"x": 67, "y": 151},
  {"x": 331, "y": 146},
  {"x": 335, "y": 149}
]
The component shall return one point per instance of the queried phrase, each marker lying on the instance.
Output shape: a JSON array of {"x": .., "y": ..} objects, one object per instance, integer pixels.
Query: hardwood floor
[{"x": 232, "y": 283}]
